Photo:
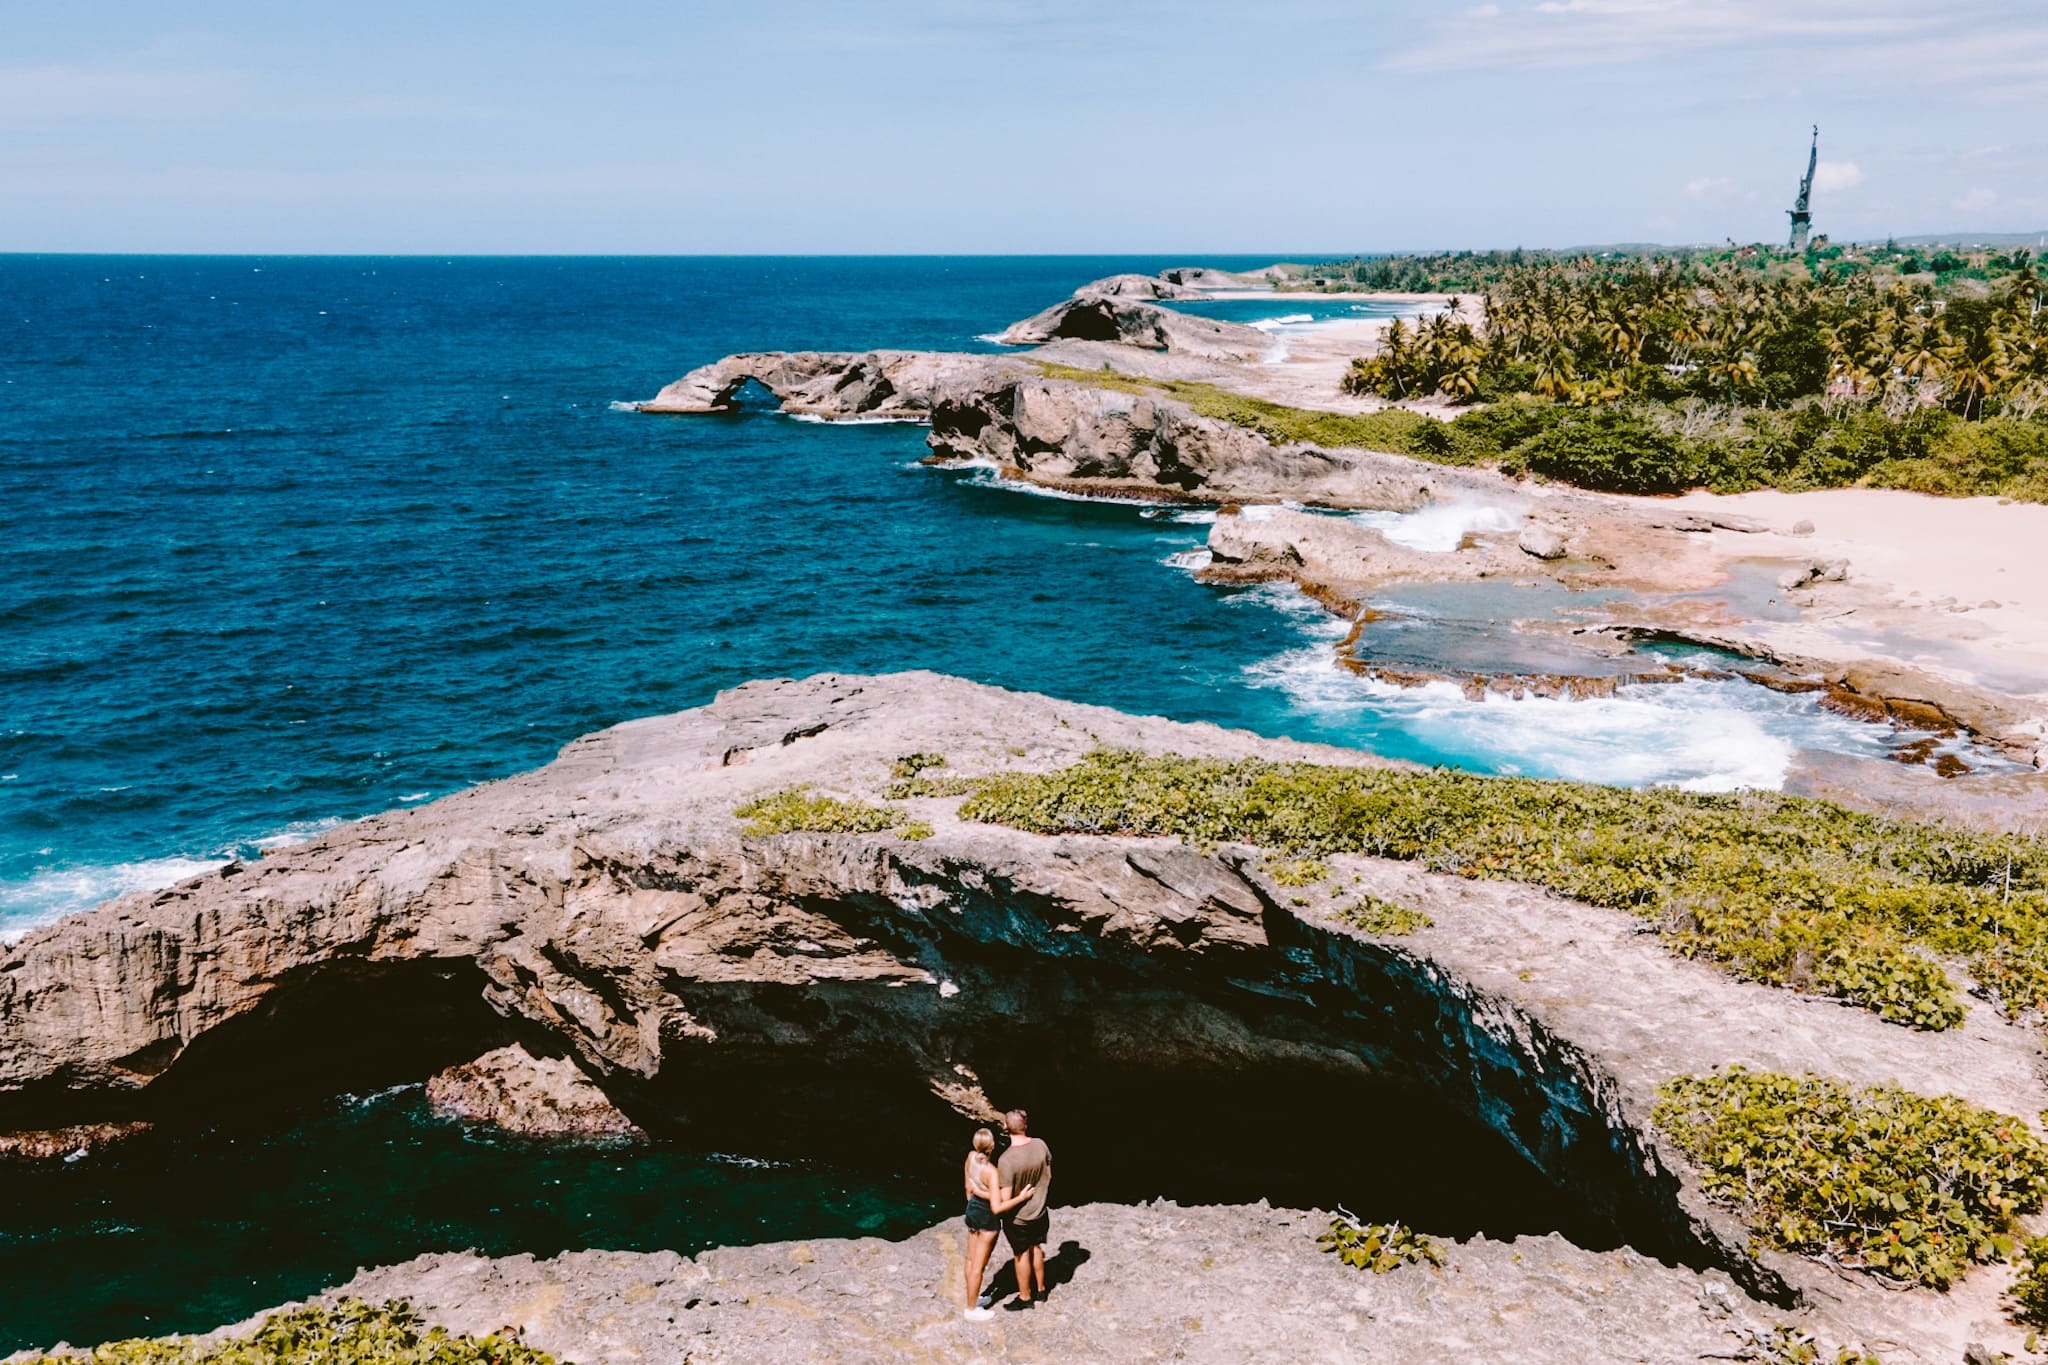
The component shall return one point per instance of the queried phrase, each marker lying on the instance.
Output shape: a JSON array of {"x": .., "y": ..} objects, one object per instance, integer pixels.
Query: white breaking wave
[
  {"x": 56, "y": 892},
  {"x": 1699, "y": 734},
  {"x": 52, "y": 893},
  {"x": 1288, "y": 320},
  {"x": 858, "y": 420},
  {"x": 300, "y": 832},
  {"x": 623, "y": 405},
  {"x": 1441, "y": 526},
  {"x": 1193, "y": 561},
  {"x": 985, "y": 476}
]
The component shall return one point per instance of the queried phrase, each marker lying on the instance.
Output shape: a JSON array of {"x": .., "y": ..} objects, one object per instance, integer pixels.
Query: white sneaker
[{"x": 977, "y": 1314}]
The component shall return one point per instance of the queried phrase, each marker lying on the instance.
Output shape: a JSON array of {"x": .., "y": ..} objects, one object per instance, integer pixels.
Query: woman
[{"x": 985, "y": 1207}]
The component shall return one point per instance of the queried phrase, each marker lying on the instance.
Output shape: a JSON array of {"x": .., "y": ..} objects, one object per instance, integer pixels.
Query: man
[{"x": 1027, "y": 1162}]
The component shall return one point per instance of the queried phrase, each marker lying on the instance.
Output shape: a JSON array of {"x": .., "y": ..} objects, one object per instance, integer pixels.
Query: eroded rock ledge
[
  {"x": 728, "y": 989},
  {"x": 1229, "y": 1285}
]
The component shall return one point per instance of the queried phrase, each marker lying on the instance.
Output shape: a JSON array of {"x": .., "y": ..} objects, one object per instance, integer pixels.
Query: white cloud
[
  {"x": 1830, "y": 177},
  {"x": 1979, "y": 200},
  {"x": 1996, "y": 47}
]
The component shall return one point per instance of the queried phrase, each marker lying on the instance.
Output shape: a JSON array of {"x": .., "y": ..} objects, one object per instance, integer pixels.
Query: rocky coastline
[{"x": 1651, "y": 571}]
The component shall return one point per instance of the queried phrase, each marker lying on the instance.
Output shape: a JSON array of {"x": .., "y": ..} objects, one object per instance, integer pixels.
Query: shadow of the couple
[{"x": 1060, "y": 1266}]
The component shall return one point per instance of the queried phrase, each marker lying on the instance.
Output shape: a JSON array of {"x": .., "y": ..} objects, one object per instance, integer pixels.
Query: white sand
[{"x": 1967, "y": 575}]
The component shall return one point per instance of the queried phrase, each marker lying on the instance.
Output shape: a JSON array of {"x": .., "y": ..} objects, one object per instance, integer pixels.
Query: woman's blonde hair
[{"x": 984, "y": 1141}]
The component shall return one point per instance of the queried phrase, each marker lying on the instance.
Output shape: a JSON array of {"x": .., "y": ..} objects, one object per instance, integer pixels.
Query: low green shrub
[
  {"x": 1790, "y": 1346},
  {"x": 1876, "y": 1178},
  {"x": 2030, "y": 1288},
  {"x": 1384, "y": 918},
  {"x": 910, "y": 788},
  {"x": 1297, "y": 871},
  {"x": 349, "y": 1333},
  {"x": 914, "y": 777},
  {"x": 1783, "y": 890},
  {"x": 1379, "y": 1247},
  {"x": 798, "y": 808}
]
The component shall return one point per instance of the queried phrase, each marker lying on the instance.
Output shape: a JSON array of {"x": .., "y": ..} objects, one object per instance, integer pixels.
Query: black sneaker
[{"x": 1019, "y": 1305}]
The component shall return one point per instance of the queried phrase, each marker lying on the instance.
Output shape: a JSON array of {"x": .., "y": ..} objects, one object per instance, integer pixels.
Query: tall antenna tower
[{"x": 1801, "y": 213}]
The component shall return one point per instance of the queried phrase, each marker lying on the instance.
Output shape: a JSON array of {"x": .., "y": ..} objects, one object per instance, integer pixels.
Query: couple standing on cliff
[{"x": 1008, "y": 1194}]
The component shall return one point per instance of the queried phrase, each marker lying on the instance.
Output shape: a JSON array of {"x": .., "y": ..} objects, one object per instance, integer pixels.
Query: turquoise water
[
  {"x": 1281, "y": 311},
  {"x": 290, "y": 541}
]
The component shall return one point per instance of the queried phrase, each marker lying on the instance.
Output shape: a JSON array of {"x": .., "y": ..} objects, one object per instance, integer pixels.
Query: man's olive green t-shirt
[{"x": 1028, "y": 1162}]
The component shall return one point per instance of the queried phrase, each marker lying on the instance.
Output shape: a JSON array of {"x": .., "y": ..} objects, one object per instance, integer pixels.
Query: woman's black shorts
[{"x": 980, "y": 1218}]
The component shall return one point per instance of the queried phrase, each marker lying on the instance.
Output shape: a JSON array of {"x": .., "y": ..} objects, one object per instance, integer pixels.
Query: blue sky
[{"x": 1008, "y": 126}]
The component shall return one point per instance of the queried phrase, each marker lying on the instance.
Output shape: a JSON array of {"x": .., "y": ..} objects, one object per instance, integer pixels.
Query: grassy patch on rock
[
  {"x": 1379, "y": 1247},
  {"x": 1877, "y": 1178},
  {"x": 799, "y": 809},
  {"x": 1372, "y": 915},
  {"x": 1782, "y": 890},
  {"x": 351, "y": 1331}
]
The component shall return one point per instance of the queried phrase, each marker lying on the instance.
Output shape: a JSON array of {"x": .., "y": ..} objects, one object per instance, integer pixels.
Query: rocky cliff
[{"x": 736, "y": 989}]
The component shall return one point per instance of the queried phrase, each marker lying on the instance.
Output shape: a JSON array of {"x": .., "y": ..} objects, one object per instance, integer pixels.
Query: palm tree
[{"x": 1977, "y": 364}]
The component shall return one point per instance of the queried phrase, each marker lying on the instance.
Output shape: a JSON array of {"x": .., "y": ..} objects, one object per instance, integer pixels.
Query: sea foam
[
  {"x": 1699, "y": 734},
  {"x": 1441, "y": 526}
]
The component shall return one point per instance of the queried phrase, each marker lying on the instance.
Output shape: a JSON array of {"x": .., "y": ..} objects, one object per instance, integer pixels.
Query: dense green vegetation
[
  {"x": 1778, "y": 889},
  {"x": 1379, "y": 1247},
  {"x": 1473, "y": 271},
  {"x": 1876, "y": 1178},
  {"x": 350, "y": 1332},
  {"x": 1736, "y": 370},
  {"x": 1647, "y": 447}
]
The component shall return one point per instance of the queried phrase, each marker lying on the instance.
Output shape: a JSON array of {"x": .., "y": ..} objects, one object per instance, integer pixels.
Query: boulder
[
  {"x": 1541, "y": 542},
  {"x": 510, "y": 1088}
]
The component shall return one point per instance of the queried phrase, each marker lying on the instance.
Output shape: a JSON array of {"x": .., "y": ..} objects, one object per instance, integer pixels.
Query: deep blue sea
[{"x": 284, "y": 542}]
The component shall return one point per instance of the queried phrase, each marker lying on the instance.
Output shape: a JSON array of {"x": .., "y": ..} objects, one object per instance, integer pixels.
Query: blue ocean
[{"x": 290, "y": 541}]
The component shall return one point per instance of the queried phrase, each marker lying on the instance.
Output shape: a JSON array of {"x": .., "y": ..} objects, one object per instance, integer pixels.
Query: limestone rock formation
[
  {"x": 52, "y": 1144},
  {"x": 1094, "y": 315},
  {"x": 1066, "y": 434},
  {"x": 835, "y": 385},
  {"x": 1542, "y": 542},
  {"x": 543, "y": 1097},
  {"x": 1141, "y": 287}
]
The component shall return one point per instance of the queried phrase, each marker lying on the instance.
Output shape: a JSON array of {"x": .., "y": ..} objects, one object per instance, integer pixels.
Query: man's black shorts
[{"x": 1025, "y": 1233}]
